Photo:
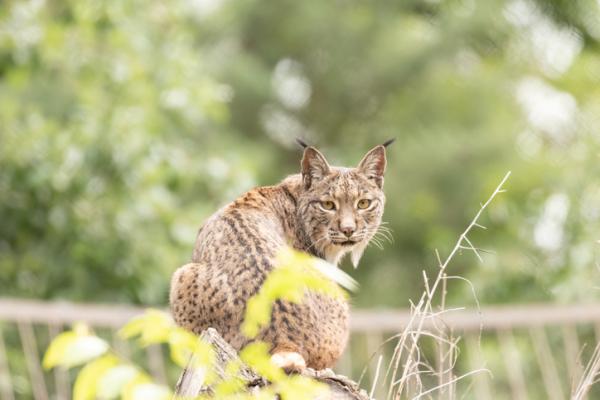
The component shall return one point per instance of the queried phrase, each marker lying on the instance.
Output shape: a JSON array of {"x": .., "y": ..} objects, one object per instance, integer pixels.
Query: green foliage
[
  {"x": 88, "y": 384},
  {"x": 107, "y": 376},
  {"x": 256, "y": 355},
  {"x": 109, "y": 386},
  {"x": 101, "y": 176},
  {"x": 152, "y": 327},
  {"x": 125, "y": 124},
  {"x": 296, "y": 272},
  {"x": 73, "y": 348},
  {"x": 156, "y": 327}
]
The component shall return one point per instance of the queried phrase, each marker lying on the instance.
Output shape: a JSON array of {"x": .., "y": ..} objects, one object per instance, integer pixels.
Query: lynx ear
[
  {"x": 373, "y": 164},
  {"x": 314, "y": 166}
]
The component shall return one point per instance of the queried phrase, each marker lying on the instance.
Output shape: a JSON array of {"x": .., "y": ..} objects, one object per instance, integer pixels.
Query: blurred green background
[{"x": 123, "y": 125}]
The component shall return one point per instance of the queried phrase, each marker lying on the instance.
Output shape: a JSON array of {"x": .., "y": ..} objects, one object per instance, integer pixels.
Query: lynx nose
[
  {"x": 347, "y": 223},
  {"x": 347, "y": 230}
]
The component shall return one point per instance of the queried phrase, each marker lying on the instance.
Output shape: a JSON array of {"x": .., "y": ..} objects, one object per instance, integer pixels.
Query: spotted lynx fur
[{"x": 325, "y": 211}]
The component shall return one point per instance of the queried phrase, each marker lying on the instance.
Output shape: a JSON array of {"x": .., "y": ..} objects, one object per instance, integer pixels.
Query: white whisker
[{"x": 314, "y": 244}]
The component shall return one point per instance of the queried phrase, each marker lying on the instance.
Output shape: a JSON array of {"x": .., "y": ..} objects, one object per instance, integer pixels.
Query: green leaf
[
  {"x": 86, "y": 384},
  {"x": 114, "y": 380},
  {"x": 143, "y": 389},
  {"x": 73, "y": 348},
  {"x": 231, "y": 383},
  {"x": 296, "y": 272},
  {"x": 257, "y": 356},
  {"x": 258, "y": 314},
  {"x": 301, "y": 387},
  {"x": 128, "y": 390},
  {"x": 335, "y": 274},
  {"x": 183, "y": 344},
  {"x": 153, "y": 327}
]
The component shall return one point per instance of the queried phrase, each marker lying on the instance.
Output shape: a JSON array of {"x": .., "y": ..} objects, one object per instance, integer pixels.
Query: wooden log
[{"x": 191, "y": 382}]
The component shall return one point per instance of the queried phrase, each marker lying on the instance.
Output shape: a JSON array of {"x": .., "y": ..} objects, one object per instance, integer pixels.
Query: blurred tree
[{"x": 124, "y": 124}]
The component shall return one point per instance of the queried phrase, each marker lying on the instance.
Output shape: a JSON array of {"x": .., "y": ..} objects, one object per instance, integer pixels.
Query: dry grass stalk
[
  {"x": 591, "y": 375},
  {"x": 407, "y": 356}
]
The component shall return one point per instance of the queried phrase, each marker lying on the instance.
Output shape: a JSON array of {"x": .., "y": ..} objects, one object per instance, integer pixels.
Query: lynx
[{"x": 325, "y": 211}]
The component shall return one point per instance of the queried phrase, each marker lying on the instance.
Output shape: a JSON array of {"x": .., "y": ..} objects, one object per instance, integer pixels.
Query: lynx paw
[{"x": 289, "y": 361}]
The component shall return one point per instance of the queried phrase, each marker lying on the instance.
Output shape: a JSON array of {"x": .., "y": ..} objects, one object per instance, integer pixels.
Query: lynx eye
[
  {"x": 328, "y": 205},
  {"x": 363, "y": 204}
]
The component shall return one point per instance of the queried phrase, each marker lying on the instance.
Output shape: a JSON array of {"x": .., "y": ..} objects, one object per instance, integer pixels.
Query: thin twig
[
  {"x": 376, "y": 376},
  {"x": 589, "y": 377},
  {"x": 451, "y": 382},
  {"x": 424, "y": 307}
]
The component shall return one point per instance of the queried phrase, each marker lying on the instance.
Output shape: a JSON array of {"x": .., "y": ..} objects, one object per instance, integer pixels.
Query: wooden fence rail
[
  {"x": 552, "y": 334},
  {"x": 374, "y": 320}
]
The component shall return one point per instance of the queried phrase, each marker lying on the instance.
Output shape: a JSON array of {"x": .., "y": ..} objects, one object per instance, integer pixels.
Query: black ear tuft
[
  {"x": 388, "y": 142},
  {"x": 301, "y": 143}
]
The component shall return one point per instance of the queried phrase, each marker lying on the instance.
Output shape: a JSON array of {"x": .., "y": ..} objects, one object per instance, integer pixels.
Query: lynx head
[{"x": 340, "y": 208}]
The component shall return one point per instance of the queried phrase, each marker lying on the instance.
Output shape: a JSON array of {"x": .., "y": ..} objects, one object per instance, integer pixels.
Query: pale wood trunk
[{"x": 191, "y": 382}]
